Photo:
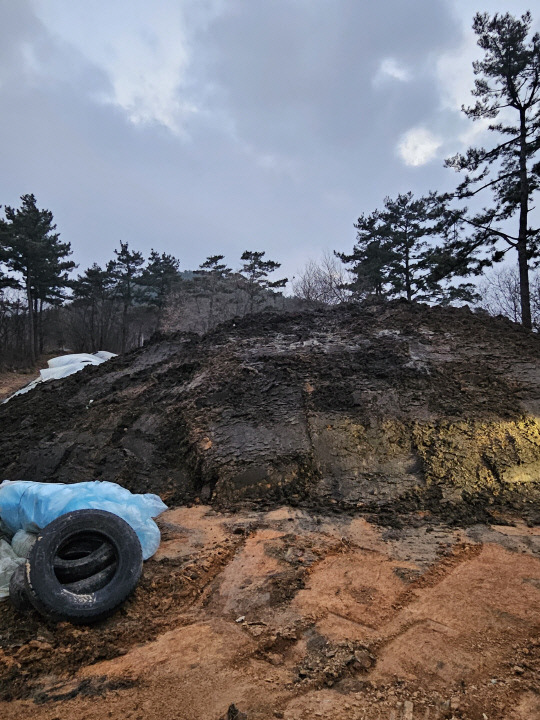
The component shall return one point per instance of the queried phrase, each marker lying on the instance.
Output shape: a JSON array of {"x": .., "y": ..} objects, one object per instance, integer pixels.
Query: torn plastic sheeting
[
  {"x": 64, "y": 365},
  {"x": 22, "y": 542},
  {"x": 75, "y": 358},
  {"x": 30, "y": 506},
  {"x": 9, "y": 562},
  {"x": 62, "y": 371}
]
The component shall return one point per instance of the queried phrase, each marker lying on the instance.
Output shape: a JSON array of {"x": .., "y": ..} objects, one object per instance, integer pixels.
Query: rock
[
  {"x": 408, "y": 709},
  {"x": 234, "y": 714},
  {"x": 363, "y": 659}
]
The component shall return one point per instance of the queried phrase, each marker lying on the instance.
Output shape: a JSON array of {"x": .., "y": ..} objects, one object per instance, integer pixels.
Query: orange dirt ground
[{"x": 287, "y": 614}]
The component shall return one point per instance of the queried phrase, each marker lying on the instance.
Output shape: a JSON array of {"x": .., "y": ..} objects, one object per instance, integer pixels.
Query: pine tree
[
  {"x": 371, "y": 258},
  {"x": 125, "y": 271},
  {"x": 507, "y": 88},
  {"x": 31, "y": 249},
  {"x": 94, "y": 290},
  {"x": 214, "y": 274},
  {"x": 255, "y": 271},
  {"x": 392, "y": 257},
  {"x": 157, "y": 280}
]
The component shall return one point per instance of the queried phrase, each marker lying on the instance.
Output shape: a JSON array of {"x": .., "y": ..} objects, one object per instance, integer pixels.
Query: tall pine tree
[
  {"x": 213, "y": 275},
  {"x": 392, "y": 256},
  {"x": 255, "y": 271},
  {"x": 126, "y": 271},
  {"x": 507, "y": 88},
  {"x": 31, "y": 250},
  {"x": 157, "y": 280}
]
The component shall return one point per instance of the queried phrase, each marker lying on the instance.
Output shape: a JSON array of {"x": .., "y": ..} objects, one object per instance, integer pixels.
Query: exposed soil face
[
  {"x": 371, "y": 410},
  {"x": 295, "y": 615}
]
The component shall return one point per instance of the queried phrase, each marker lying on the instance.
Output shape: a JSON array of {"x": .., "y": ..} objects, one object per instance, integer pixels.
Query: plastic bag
[
  {"x": 22, "y": 543},
  {"x": 26, "y": 505},
  {"x": 8, "y": 564}
]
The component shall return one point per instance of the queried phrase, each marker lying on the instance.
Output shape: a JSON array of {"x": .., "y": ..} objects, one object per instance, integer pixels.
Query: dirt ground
[
  {"x": 294, "y": 615},
  {"x": 10, "y": 382}
]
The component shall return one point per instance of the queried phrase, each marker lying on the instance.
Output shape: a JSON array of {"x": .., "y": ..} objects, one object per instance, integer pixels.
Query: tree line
[
  {"x": 119, "y": 305},
  {"x": 431, "y": 248}
]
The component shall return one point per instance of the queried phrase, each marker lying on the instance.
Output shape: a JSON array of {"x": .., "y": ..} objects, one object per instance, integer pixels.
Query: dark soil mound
[{"x": 384, "y": 408}]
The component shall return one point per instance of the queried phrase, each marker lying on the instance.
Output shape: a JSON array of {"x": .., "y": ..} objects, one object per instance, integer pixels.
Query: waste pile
[
  {"x": 76, "y": 551},
  {"x": 363, "y": 409}
]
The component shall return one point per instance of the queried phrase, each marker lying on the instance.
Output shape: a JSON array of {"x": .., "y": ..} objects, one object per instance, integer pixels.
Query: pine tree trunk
[
  {"x": 31, "y": 348},
  {"x": 408, "y": 275},
  {"x": 40, "y": 327},
  {"x": 124, "y": 327},
  {"x": 36, "y": 329},
  {"x": 524, "y": 289}
]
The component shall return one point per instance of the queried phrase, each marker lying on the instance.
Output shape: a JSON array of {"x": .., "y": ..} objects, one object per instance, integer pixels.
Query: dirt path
[{"x": 286, "y": 614}]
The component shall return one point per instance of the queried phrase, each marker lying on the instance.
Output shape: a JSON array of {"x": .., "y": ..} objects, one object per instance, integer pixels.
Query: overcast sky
[{"x": 198, "y": 127}]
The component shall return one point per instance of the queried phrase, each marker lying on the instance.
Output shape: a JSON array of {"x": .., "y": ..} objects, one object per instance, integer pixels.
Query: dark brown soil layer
[{"x": 373, "y": 409}]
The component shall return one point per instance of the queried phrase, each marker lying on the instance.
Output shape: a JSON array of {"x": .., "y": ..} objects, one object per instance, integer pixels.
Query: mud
[
  {"x": 290, "y": 614},
  {"x": 372, "y": 410}
]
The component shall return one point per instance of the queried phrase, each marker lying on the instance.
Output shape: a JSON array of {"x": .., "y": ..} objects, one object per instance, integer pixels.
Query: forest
[{"x": 475, "y": 245}]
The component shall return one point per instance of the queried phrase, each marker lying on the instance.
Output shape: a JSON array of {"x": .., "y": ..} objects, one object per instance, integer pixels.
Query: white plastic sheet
[
  {"x": 74, "y": 359},
  {"x": 26, "y": 505},
  {"x": 64, "y": 365}
]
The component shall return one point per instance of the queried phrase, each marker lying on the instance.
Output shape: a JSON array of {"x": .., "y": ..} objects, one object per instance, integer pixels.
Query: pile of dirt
[{"x": 382, "y": 409}]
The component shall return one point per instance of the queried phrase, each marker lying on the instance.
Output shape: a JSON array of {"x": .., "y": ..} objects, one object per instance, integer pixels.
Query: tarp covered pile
[{"x": 64, "y": 365}]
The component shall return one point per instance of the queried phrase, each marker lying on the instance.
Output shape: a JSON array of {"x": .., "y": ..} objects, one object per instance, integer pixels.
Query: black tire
[
  {"x": 92, "y": 583},
  {"x": 70, "y": 570},
  {"x": 17, "y": 591},
  {"x": 51, "y": 598},
  {"x": 79, "y": 548}
]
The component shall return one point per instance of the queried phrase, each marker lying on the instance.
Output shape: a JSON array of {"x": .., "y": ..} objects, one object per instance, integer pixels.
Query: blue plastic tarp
[{"x": 30, "y": 506}]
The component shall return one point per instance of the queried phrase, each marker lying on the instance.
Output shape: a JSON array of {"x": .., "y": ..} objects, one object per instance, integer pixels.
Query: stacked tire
[{"x": 81, "y": 568}]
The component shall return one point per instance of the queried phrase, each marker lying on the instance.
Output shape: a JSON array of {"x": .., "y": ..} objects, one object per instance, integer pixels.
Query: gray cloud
[{"x": 292, "y": 139}]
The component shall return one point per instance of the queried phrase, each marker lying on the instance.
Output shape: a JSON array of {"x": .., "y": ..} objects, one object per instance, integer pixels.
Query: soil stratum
[{"x": 356, "y": 531}]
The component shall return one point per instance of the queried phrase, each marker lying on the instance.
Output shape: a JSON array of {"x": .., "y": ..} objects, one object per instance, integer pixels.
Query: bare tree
[
  {"x": 323, "y": 281},
  {"x": 500, "y": 293}
]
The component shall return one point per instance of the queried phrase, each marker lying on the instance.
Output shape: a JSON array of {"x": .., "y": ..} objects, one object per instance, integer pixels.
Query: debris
[
  {"x": 63, "y": 366},
  {"x": 97, "y": 595},
  {"x": 9, "y": 562},
  {"x": 233, "y": 714},
  {"x": 22, "y": 542},
  {"x": 31, "y": 506}
]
